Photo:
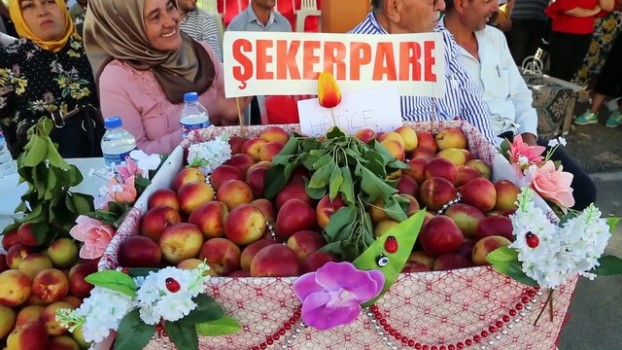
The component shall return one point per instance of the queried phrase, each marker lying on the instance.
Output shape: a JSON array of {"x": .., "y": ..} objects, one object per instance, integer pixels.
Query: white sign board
[
  {"x": 258, "y": 63},
  {"x": 377, "y": 109}
]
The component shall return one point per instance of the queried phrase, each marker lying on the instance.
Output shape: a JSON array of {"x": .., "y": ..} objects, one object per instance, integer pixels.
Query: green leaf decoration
[
  {"x": 406, "y": 234},
  {"x": 393, "y": 208},
  {"x": 335, "y": 132},
  {"x": 221, "y": 326},
  {"x": 141, "y": 271},
  {"x": 113, "y": 280},
  {"x": 612, "y": 222},
  {"x": 340, "y": 219},
  {"x": 375, "y": 187},
  {"x": 207, "y": 310},
  {"x": 505, "y": 260},
  {"x": 184, "y": 337},
  {"x": 36, "y": 154},
  {"x": 133, "y": 333},
  {"x": 315, "y": 193},
  {"x": 321, "y": 177},
  {"x": 609, "y": 265}
]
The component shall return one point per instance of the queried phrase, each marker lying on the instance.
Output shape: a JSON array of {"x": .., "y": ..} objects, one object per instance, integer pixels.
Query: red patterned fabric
[{"x": 433, "y": 308}]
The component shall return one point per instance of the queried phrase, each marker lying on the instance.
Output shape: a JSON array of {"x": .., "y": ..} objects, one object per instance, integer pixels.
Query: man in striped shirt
[
  {"x": 200, "y": 25},
  {"x": 462, "y": 99}
]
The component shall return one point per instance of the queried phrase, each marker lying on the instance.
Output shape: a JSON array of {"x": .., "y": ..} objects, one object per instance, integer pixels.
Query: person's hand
[{"x": 530, "y": 139}]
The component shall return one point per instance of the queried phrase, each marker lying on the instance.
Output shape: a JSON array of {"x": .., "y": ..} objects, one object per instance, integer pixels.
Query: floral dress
[{"x": 35, "y": 82}]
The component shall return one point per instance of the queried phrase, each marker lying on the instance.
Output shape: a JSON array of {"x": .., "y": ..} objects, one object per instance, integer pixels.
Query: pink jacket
[{"x": 136, "y": 97}]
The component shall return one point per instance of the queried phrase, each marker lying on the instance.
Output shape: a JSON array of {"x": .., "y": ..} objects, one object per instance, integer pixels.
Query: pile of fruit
[{"x": 284, "y": 205}]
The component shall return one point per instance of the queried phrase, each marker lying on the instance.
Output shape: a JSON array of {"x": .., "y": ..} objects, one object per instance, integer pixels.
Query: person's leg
[
  {"x": 567, "y": 52},
  {"x": 520, "y": 39}
]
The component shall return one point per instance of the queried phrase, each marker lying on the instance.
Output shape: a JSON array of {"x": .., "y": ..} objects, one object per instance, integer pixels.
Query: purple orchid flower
[{"x": 332, "y": 295}]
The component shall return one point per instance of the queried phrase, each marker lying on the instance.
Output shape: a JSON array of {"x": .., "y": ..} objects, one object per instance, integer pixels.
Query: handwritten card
[{"x": 377, "y": 109}]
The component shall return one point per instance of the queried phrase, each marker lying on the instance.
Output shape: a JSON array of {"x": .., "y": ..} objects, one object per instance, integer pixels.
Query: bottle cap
[
  {"x": 112, "y": 122},
  {"x": 191, "y": 97}
]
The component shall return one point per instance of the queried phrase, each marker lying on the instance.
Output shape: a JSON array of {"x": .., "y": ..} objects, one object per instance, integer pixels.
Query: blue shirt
[
  {"x": 247, "y": 21},
  {"x": 462, "y": 99}
]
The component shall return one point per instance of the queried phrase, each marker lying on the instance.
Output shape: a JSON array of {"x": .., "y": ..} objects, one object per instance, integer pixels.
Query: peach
[
  {"x": 245, "y": 224},
  {"x": 158, "y": 219},
  {"x": 376, "y": 212},
  {"x": 392, "y": 135},
  {"x": 326, "y": 208},
  {"x": 450, "y": 138},
  {"x": 466, "y": 217},
  {"x": 422, "y": 153},
  {"x": 139, "y": 251},
  {"x": 304, "y": 243},
  {"x": 383, "y": 226},
  {"x": 234, "y": 193},
  {"x": 187, "y": 175},
  {"x": 417, "y": 169},
  {"x": 63, "y": 342},
  {"x": 163, "y": 197},
  {"x": 224, "y": 173},
  {"x": 480, "y": 193},
  {"x": 410, "y": 137},
  {"x": 63, "y": 252},
  {"x": 256, "y": 177},
  {"x": 48, "y": 317},
  {"x": 251, "y": 250},
  {"x": 180, "y": 242},
  {"x": 78, "y": 285},
  {"x": 480, "y": 166},
  {"x": 295, "y": 215},
  {"x": 210, "y": 219},
  {"x": 436, "y": 192},
  {"x": 26, "y": 234},
  {"x": 50, "y": 286},
  {"x": 317, "y": 260},
  {"x": 413, "y": 204},
  {"x": 3, "y": 265},
  {"x": 365, "y": 135},
  {"x": 451, "y": 261},
  {"x": 16, "y": 254},
  {"x": 270, "y": 150},
  {"x": 440, "y": 167},
  {"x": 274, "y": 133},
  {"x": 266, "y": 208},
  {"x": 78, "y": 336},
  {"x": 193, "y": 195},
  {"x": 440, "y": 236},
  {"x": 235, "y": 142},
  {"x": 222, "y": 255},
  {"x": 34, "y": 263},
  {"x": 242, "y": 161},
  {"x": 294, "y": 189},
  {"x": 73, "y": 300},
  {"x": 29, "y": 313},
  {"x": 7, "y": 321},
  {"x": 253, "y": 146},
  {"x": 15, "y": 287},
  {"x": 31, "y": 336},
  {"x": 418, "y": 261},
  {"x": 465, "y": 174},
  {"x": 485, "y": 246},
  {"x": 455, "y": 155},
  {"x": 497, "y": 225},
  {"x": 407, "y": 185},
  {"x": 394, "y": 147},
  {"x": 507, "y": 192},
  {"x": 9, "y": 239},
  {"x": 276, "y": 260},
  {"x": 426, "y": 140},
  {"x": 193, "y": 263}
]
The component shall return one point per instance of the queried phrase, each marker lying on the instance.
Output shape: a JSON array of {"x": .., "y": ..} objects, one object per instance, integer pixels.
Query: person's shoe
[
  {"x": 614, "y": 120},
  {"x": 586, "y": 118}
]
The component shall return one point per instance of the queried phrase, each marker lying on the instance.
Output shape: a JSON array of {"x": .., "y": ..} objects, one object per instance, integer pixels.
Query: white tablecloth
[{"x": 11, "y": 191}]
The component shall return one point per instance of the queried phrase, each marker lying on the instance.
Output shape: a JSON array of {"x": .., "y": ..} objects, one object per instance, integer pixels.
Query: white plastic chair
[{"x": 307, "y": 8}]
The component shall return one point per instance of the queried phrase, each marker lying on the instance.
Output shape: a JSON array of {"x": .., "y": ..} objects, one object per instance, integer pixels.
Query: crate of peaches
[{"x": 265, "y": 205}]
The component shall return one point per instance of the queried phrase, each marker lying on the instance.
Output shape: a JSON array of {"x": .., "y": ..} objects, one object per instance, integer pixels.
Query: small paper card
[{"x": 377, "y": 109}]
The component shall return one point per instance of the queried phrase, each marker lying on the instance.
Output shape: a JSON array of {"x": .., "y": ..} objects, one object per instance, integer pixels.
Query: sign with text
[
  {"x": 377, "y": 109},
  {"x": 257, "y": 63}
]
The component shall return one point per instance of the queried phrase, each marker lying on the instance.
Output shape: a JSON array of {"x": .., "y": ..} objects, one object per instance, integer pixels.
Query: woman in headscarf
[
  {"x": 144, "y": 64},
  {"x": 45, "y": 72}
]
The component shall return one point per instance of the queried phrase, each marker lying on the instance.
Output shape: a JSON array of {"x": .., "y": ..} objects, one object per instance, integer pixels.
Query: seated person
[
  {"x": 46, "y": 72},
  {"x": 488, "y": 60},
  {"x": 145, "y": 64},
  {"x": 462, "y": 99}
]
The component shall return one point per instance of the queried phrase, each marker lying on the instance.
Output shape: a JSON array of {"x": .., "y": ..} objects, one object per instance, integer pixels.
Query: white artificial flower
[
  {"x": 562, "y": 141},
  {"x": 146, "y": 161},
  {"x": 209, "y": 155},
  {"x": 103, "y": 311},
  {"x": 553, "y": 142}
]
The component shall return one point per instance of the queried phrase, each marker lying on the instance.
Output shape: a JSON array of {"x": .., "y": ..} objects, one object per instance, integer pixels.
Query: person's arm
[
  {"x": 116, "y": 99},
  {"x": 607, "y": 5},
  {"x": 581, "y": 12}
]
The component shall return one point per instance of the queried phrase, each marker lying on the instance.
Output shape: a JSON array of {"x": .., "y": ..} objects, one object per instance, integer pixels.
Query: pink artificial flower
[
  {"x": 553, "y": 184},
  {"x": 332, "y": 295},
  {"x": 94, "y": 234},
  {"x": 129, "y": 169},
  {"x": 124, "y": 193},
  {"x": 520, "y": 151}
]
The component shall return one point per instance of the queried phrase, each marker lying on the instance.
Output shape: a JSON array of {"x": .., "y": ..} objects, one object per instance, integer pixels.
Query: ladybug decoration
[
  {"x": 532, "y": 239},
  {"x": 172, "y": 285},
  {"x": 391, "y": 244}
]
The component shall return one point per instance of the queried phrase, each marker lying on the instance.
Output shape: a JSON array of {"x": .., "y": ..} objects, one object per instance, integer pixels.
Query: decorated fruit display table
[{"x": 469, "y": 308}]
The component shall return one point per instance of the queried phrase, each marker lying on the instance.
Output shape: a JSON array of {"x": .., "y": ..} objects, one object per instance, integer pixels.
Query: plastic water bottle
[
  {"x": 194, "y": 115},
  {"x": 7, "y": 164},
  {"x": 116, "y": 143}
]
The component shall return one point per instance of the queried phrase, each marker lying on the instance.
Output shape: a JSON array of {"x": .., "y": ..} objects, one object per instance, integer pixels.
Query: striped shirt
[
  {"x": 202, "y": 26},
  {"x": 462, "y": 99}
]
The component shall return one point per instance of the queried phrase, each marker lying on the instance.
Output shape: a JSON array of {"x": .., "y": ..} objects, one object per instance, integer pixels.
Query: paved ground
[{"x": 596, "y": 310}]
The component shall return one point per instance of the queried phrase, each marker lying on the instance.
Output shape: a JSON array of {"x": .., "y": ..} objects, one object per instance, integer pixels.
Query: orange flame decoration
[{"x": 329, "y": 94}]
